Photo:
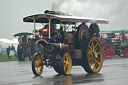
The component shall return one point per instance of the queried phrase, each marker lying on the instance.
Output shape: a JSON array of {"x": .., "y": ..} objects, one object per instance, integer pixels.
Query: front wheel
[
  {"x": 124, "y": 53},
  {"x": 92, "y": 54},
  {"x": 66, "y": 64},
  {"x": 37, "y": 64}
]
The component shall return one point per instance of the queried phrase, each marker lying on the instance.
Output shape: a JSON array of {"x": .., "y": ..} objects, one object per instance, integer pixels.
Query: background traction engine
[
  {"x": 26, "y": 45},
  {"x": 115, "y": 44}
]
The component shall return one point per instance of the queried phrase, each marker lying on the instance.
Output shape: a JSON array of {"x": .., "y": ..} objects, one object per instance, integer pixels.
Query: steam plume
[{"x": 116, "y": 11}]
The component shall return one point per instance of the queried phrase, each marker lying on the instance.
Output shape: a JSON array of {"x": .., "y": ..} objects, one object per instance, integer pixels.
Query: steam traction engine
[
  {"x": 108, "y": 44},
  {"x": 66, "y": 43},
  {"x": 25, "y": 45},
  {"x": 124, "y": 43},
  {"x": 114, "y": 43}
]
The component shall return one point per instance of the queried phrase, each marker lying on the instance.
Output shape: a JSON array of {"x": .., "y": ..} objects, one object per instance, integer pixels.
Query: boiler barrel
[{"x": 56, "y": 48}]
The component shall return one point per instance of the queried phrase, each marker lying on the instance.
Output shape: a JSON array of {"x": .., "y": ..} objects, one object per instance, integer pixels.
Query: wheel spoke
[
  {"x": 105, "y": 50},
  {"x": 66, "y": 63},
  {"x": 96, "y": 50},
  {"x": 90, "y": 58},
  {"x": 97, "y": 62},
  {"x": 111, "y": 51},
  {"x": 92, "y": 45},
  {"x": 91, "y": 62},
  {"x": 66, "y": 67},
  {"x": 99, "y": 52},
  {"x": 96, "y": 45}
]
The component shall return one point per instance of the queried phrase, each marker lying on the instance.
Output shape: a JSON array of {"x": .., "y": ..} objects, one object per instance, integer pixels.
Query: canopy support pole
[
  {"x": 50, "y": 27},
  {"x": 34, "y": 27}
]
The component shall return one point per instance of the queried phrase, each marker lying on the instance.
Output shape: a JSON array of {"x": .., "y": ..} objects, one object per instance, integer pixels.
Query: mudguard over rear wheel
[{"x": 92, "y": 54}]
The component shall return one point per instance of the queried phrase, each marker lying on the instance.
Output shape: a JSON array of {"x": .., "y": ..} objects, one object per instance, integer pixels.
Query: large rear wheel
[
  {"x": 37, "y": 64},
  {"x": 66, "y": 64},
  {"x": 92, "y": 54},
  {"x": 58, "y": 69}
]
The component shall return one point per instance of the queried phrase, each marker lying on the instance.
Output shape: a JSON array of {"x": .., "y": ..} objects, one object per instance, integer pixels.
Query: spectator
[
  {"x": 94, "y": 30},
  {"x": 14, "y": 52},
  {"x": 8, "y": 51},
  {"x": 0, "y": 49},
  {"x": 13, "y": 48}
]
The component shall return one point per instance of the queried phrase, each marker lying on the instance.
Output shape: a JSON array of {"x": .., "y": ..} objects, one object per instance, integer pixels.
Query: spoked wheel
[
  {"x": 37, "y": 64},
  {"x": 20, "y": 53},
  {"x": 57, "y": 68},
  {"x": 109, "y": 51},
  {"x": 92, "y": 54},
  {"x": 66, "y": 64},
  {"x": 126, "y": 52},
  {"x": 122, "y": 54},
  {"x": 82, "y": 32}
]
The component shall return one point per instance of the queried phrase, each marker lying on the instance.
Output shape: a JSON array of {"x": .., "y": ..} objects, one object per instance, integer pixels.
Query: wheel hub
[
  {"x": 94, "y": 54},
  {"x": 37, "y": 64}
]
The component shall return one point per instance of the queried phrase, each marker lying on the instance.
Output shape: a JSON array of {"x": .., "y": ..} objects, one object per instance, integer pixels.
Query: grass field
[{"x": 4, "y": 58}]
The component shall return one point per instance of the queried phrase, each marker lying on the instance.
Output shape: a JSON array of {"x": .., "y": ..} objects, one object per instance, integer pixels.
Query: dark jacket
[
  {"x": 95, "y": 29},
  {"x": 8, "y": 50}
]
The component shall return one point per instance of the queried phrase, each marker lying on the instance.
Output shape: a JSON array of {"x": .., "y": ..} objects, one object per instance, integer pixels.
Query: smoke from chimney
[{"x": 116, "y": 11}]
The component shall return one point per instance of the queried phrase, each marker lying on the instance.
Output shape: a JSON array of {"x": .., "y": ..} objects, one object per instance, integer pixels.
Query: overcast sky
[{"x": 12, "y": 13}]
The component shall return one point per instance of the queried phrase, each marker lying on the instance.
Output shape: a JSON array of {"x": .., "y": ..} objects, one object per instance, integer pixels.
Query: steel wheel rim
[
  {"x": 38, "y": 64},
  {"x": 109, "y": 51},
  {"x": 95, "y": 55},
  {"x": 67, "y": 63}
]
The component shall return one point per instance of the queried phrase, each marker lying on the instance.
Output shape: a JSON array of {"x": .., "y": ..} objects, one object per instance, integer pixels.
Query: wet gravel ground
[{"x": 113, "y": 72}]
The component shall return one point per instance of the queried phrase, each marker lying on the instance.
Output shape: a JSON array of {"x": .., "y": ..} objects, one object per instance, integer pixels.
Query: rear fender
[{"x": 42, "y": 42}]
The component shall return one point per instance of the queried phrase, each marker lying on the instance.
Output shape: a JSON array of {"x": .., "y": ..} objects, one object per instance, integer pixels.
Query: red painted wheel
[
  {"x": 109, "y": 51},
  {"x": 126, "y": 52},
  {"x": 122, "y": 54}
]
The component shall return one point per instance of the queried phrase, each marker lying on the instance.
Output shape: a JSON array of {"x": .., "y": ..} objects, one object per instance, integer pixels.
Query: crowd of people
[{"x": 11, "y": 51}]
